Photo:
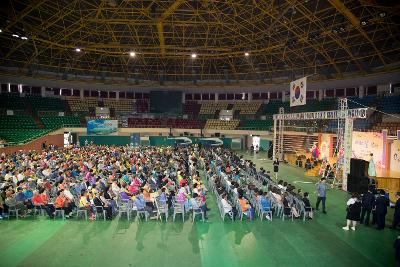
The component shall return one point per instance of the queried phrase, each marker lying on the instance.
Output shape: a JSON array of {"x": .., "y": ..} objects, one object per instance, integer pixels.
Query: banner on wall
[
  {"x": 102, "y": 127},
  {"x": 395, "y": 156},
  {"x": 363, "y": 144}
]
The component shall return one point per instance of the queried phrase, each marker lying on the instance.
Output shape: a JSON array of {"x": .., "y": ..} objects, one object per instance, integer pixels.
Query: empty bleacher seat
[
  {"x": 52, "y": 122},
  {"x": 263, "y": 125},
  {"x": 17, "y": 122},
  {"x": 247, "y": 108},
  {"x": 221, "y": 124}
]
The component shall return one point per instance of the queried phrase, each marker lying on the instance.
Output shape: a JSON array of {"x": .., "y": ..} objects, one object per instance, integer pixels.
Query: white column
[
  {"x": 42, "y": 91},
  {"x": 283, "y": 96},
  {"x": 81, "y": 93},
  {"x": 249, "y": 97},
  {"x": 117, "y": 95},
  {"x": 321, "y": 94},
  {"x": 183, "y": 98},
  {"x": 216, "y": 97},
  {"x": 361, "y": 91}
]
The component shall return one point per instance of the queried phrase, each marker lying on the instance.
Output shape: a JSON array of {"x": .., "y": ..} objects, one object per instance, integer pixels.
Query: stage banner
[
  {"x": 102, "y": 127},
  {"x": 395, "y": 156},
  {"x": 363, "y": 144},
  {"x": 325, "y": 146},
  {"x": 298, "y": 91}
]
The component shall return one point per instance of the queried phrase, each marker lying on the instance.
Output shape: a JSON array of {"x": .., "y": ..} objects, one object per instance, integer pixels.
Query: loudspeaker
[
  {"x": 358, "y": 167},
  {"x": 357, "y": 184}
]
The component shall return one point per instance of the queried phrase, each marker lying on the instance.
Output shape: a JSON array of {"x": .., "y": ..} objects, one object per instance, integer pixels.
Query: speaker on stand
[{"x": 357, "y": 180}]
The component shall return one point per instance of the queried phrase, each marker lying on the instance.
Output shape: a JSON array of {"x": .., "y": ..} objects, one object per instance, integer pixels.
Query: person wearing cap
[
  {"x": 381, "y": 204},
  {"x": 396, "y": 215}
]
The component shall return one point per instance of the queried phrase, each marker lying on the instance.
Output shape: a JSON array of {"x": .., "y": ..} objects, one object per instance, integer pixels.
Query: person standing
[
  {"x": 276, "y": 168},
  {"x": 321, "y": 194},
  {"x": 396, "y": 216},
  {"x": 381, "y": 204},
  {"x": 367, "y": 201},
  {"x": 353, "y": 212},
  {"x": 371, "y": 166}
]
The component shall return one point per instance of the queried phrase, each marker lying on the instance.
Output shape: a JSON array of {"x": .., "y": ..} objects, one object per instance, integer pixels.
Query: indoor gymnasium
[{"x": 199, "y": 133}]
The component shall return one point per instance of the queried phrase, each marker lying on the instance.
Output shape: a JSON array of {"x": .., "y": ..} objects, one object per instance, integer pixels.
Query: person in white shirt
[
  {"x": 195, "y": 188},
  {"x": 227, "y": 207},
  {"x": 68, "y": 194},
  {"x": 46, "y": 172}
]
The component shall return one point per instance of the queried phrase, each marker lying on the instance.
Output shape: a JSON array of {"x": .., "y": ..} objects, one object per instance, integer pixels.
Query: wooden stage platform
[{"x": 388, "y": 180}]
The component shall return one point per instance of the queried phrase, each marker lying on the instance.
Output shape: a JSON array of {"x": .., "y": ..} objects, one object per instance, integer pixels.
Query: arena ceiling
[{"x": 232, "y": 40}]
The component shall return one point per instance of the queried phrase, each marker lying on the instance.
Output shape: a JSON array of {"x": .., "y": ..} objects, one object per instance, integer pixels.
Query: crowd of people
[
  {"x": 242, "y": 190},
  {"x": 98, "y": 179},
  {"x": 375, "y": 202}
]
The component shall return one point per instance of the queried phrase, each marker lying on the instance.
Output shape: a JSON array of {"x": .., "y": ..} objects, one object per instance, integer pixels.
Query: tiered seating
[
  {"x": 390, "y": 104},
  {"x": 51, "y": 122},
  {"x": 356, "y": 102},
  {"x": 45, "y": 103},
  {"x": 392, "y": 127},
  {"x": 272, "y": 107},
  {"x": 361, "y": 124},
  {"x": 142, "y": 106},
  {"x": 164, "y": 123},
  {"x": 247, "y": 108},
  {"x": 17, "y": 122},
  {"x": 262, "y": 125},
  {"x": 221, "y": 124},
  {"x": 77, "y": 104},
  {"x": 358, "y": 125},
  {"x": 183, "y": 123},
  {"x": 121, "y": 105},
  {"x": 11, "y": 101},
  {"x": 211, "y": 107},
  {"x": 144, "y": 123},
  {"x": 313, "y": 105},
  {"x": 21, "y": 135},
  {"x": 192, "y": 108}
]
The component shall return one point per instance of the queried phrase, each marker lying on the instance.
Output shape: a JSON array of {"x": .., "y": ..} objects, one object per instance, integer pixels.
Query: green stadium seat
[{"x": 51, "y": 122}]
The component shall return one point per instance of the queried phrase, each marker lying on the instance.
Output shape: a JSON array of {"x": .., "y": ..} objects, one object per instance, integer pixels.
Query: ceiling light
[
  {"x": 194, "y": 55},
  {"x": 24, "y": 38},
  {"x": 342, "y": 29},
  {"x": 15, "y": 35},
  {"x": 382, "y": 15},
  {"x": 132, "y": 54},
  {"x": 363, "y": 23},
  {"x": 1, "y": 30},
  {"x": 77, "y": 49},
  {"x": 246, "y": 54}
]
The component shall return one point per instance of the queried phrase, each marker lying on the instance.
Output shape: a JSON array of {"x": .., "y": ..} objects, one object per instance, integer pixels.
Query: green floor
[{"x": 320, "y": 242}]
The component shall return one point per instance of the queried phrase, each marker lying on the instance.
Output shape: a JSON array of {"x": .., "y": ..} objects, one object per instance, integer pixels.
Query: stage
[{"x": 389, "y": 181}]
